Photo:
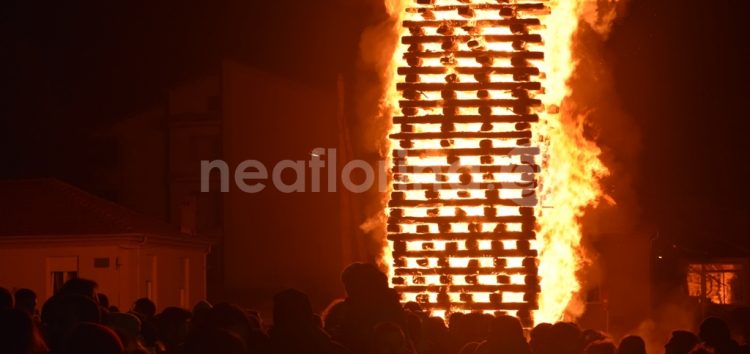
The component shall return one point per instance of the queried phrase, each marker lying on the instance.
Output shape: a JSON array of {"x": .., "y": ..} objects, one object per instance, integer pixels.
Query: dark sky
[
  {"x": 72, "y": 67},
  {"x": 680, "y": 69}
]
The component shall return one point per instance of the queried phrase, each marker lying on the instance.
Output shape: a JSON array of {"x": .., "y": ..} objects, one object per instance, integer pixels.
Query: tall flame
[
  {"x": 570, "y": 165},
  {"x": 571, "y": 170}
]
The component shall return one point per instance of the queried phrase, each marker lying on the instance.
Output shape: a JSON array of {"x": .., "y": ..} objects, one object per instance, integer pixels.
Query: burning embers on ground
[{"x": 490, "y": 171}]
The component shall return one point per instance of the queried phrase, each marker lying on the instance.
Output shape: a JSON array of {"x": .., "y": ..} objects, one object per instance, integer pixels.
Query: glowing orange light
[{"x": 491, "y": 172}]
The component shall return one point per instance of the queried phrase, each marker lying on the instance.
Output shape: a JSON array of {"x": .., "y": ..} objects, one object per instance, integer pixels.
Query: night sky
[{"x": 680, "y": 70}]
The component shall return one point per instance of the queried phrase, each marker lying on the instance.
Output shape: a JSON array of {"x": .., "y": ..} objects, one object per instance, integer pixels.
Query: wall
[
  {"x": 275, "y": 240},
  {"x": 164, "y": 267},
  {"x": 141, "y": 173},
  {"x": 25, "y": 266},
  {"x": 123, "y": 281}
]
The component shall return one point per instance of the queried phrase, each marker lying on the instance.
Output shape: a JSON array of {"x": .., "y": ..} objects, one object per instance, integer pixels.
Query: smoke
[
  {"x": 376, "y": 48},
  {"x": 373, "y": 114},
  {"x": 656, "y": 333},
  {"x": 617, "y": 135},
  {"x": 600, "y": 15}
]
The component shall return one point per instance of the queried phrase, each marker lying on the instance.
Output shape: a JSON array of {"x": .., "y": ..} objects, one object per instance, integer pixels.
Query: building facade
[{"x": 51, "y": 232}]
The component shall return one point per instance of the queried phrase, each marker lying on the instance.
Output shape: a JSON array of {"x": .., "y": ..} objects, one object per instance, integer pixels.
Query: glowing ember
[{"x": 476, "y": 138}]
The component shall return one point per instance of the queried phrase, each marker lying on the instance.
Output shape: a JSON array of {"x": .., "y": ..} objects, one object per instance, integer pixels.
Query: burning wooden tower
[
  {"x": 461, "y": 215},
  {"x": 475, "y": 98}
]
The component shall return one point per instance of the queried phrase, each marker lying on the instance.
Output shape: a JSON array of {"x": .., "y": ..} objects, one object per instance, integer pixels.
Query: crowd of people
[{"x": 369, "y": 320}]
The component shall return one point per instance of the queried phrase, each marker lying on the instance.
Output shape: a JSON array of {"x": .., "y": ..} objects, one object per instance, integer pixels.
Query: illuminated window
[{"x": 718, "y": 283}]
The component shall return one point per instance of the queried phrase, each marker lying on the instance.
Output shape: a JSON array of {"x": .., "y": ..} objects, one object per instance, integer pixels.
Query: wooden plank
[
  {"x": 477, "y": 23},
  {"x": 467, "y": 253},
  {"x": 467, "y": 288},
  {"x": 462, "y": 271},
  {"x": 469, "y": 103},
  {"x": 475, "y": 54},
  {"x": 452, "y": 219},
  {"x": 466, "y": 118},
  {"x": 467, "y": 152},
  {"x": 529, "y": 201},
  {"x": 528, "y": 188},
  {"x": 516, "y": 6},
  {"x": 462, "y": 135},
  {"x": 450, "y": 236},
  {"x": 481, "y": 306},
  {"x": 492, "y": 38},
  {"x": 469, "y": 86},
  {"x": 509, "y": 70},
  {"x": 530, "y": 168}
]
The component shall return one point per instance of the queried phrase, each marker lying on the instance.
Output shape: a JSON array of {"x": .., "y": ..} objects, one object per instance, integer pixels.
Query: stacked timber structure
[{"x": 461, "y": 217}]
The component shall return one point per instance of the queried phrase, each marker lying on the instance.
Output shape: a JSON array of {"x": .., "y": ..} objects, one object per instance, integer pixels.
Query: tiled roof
[{"x": 50, "y": 207}]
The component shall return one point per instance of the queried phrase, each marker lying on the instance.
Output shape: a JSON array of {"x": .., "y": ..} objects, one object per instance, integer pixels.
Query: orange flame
[{"x": 570, "y": 174}]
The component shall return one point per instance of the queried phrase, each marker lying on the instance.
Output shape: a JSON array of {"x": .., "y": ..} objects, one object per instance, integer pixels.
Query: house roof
[{"x": 49, "y": 207}]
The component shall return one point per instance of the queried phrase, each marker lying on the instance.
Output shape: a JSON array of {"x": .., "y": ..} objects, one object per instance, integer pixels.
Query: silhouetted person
[
  {"x": 457, "y": 336},
  {"x": 333, "y": 319},
  {"x": 145, "y": 309},
  {"x": 294, "y": 331},
  {"x": 632, "y": 345},
  {"x": 434, "y": 339},
  {"x": 565, "y": 338},
  {"x": 81, "y": 286},
  {"x": 128, "y": 329},
  {"x": 75, "y": 302},
  {"x": 414, "y": 330},
  {"x": 26, "y": 301},
  {"x": 6, "y": 299},
  {"x": 388, "y": 338},
  {"x": 369, "y": 301},
  {"x": 217, "y": 341},
  {"x": 201, "y": 312},
  {"x": 413, "y": 307},
  {"x": 716, "y": 335},
  {"x": 505, "y": 337},
  {"x": 742, "y": 322},
  {"x": 590, "y": 336},
  {"x": 19, "y": 334},
  {"x": 231, "y": 318},
  {"x": 172, "y": 326},
  {"x": 256, "y": 322},
  {"x": 62, "y": 313},
  {"x": 681, "y": 342},
  {"x": 601, "y": 347},
  {"x": 92, "y": 338},
  {"x": 103, "y": 300},
  {"x": 539, "y": 336},
  {"x": 466, "y": 328}
]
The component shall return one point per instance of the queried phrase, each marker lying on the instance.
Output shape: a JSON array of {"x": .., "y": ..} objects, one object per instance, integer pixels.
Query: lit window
[{"x": 718, "y": 283}]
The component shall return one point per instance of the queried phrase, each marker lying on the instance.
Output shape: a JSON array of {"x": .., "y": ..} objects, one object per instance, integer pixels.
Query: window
[
  {"x": 717, "y": 283},
  {"x": 59, "y": 271},
  {"x": 59, "y": 278}
]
